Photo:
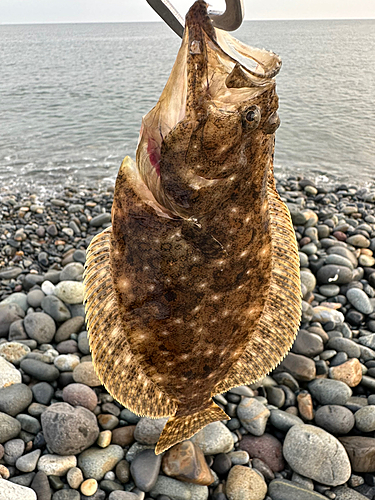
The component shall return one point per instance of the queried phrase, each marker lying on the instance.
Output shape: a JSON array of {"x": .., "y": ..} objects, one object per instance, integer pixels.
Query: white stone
[
  {"x": 48, "y": 288},
  {"x": 70, "y": 292},
  {"x": 12, "y": 491},
  {"x": 214, "y": 438},
  {"x": 66, "y": 362},
  {"x": 56, "y": 465}
]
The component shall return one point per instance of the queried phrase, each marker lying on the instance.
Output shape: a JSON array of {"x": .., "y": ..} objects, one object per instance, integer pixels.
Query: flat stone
[
  {"x": 349, "y": 372},
  {"x": 335, "y": 419},
  {"x": 123, "y": 436},
  {"x": 10, "y": 273},
  {"x": 308, "y": 279},
  {"x": 324, "y": 315},
  {"x": 244, "y": 483},
  {"x": 214, "y": 438},
  {"x": 365, "y": 419},
  {"x": 358, "y": 240},
  {"x": 282, "y": 489},
  {"x": 34, "y": 298},
  {"x": 368, "y": 341},
  {"x": 265, "y": 447},
  {"x": 40, "y": 326},
  {"x": 107, "y": 421},
  {"x": 185, "y": 461},
  {"x": 360, "y": 300},
  {"x": 74, "y": 477},
  {"x": 345, "y": 345},
  {"x": 100, "y": 219},
  {"x": 43, "y": 392},
  {"x": 145, "y": 469},
  {"x": 253, "y": 416},
  {"x": 148, "y": 430},
  {"x": 82, "y": 395},
  {"x": 55, "y": 308},
  {"x": 305, "y": 405},
  {"x": 69, "y": 430},
  {"x": 85, "y": 373},
  {"x": 330, "y": 391},
  {"x": 72, "y": 325},
  {"x": 178, "y": 490},
  {"x": 96, "y": 462},
  {"x": 361, "y": 451},
  {"x": 16, "y": 298},
  {"x": 66, "y": 495},
  {"x": 70, "y": 292},
  {"x": 39, "y": 370},
  {"x": 40, "y": 485},
  {"x": 301, "y": 367},
  {"x": 56, "y": 465},
  {"x": 72, "y": 272},
  {"x": 89, "y": 487},
  {"x": 283, "y": 420},
  {"x": 9, "y": 427},
  {"x": 334, "y": 274},
  {"x": 15, "y": 398},
  {"x": 12, "y": 491},
  {"x": 8, "y": 374},
  {"x": 29, "y": 424},
  {"x": 66, "y": 362},
  {"x": 312, "y": 452},
  {"x": 345, "y": 493},
  {"x": 8, "y": 314}
]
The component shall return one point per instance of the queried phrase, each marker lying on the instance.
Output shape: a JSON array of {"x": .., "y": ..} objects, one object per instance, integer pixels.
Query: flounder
[{"x": 195, "y": 287}]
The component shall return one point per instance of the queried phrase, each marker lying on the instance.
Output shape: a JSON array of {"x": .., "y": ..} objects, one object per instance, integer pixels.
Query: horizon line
[{"x": 161, "y": 22}]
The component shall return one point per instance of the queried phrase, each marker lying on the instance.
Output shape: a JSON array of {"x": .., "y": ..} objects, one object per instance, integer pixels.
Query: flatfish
[{"x": 195, "y": 287}]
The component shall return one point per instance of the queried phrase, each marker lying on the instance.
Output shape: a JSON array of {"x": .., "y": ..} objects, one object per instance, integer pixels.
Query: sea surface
[{"x": 72, "y": 97}]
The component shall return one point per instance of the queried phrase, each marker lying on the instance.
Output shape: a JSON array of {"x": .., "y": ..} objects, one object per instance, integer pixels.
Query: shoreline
[{"x": 311, "y": 410}]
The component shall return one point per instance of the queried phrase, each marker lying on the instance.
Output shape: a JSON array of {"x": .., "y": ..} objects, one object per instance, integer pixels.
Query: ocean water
[{"x": 72, "y": 97}]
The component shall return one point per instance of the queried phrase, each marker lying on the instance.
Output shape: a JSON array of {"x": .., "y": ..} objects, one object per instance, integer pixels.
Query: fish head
[{"x": 215, "y": 119}]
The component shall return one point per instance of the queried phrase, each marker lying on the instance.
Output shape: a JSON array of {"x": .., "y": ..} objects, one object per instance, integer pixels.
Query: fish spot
[
  {"x": 146, "y": 268},
  {"x": 178, "y": 321},
  {"x": 151, "y": 288},
  {"x": 225, "y": 313},
  {"x": 196, "y": 309},
  {"x": 215, "y": 297},
  {"x": 203, "y": 284},
  {"x": 123, "y": 284},
  {"x": 234, "y": 210},
  {"x": 184, "y": 357},
  {"x": 244, "y": 253},
  {"x": 165, "y": 333}
]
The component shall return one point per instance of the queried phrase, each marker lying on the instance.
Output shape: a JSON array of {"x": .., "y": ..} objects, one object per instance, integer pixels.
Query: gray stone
[
  {"x": 9, "y": 427},
  {"x": 360, "y": 300},
  {"x": 96, "y": 462},
  {"x": 213, "y": 439},
  {"x": 12, "y": 491},
  {"x": 145, "y": 469},
  {"x": 345, "y": 252},
  {"x": 17, "y": 331},
  {"x": 55, "y": 308},
  {"x": 282, "y": 489},
  {"x": 69, "y": 430},
  {"x": 8, "y": 374},
  {"x": 328, "y": 391},
  {"x": 253, "y": 416},
  {"x": 23, "y": 479},
  {"x": 299, "y": 366},
  {"x": 340, "y": 260},
  {"x": 136, "y": 448},
  {"x": 177, "y": 490},
  {"x": 13, "y": 449},
  {"x": 314, "y": 453},
  {"x": 368, "y": 340},
  {"x": 335, "y": 419},
  {"x": 308, "y": 279},
  {"x": 148, "y": 430},
  {"x": 66, "y": 495},
  {"x": 123, "y": 495},
  {"x": 345, "y": 345},
  {"x": 307, "y": 343},
  {"x": 283, "y": 420},
  {"x": 43, "y": 392},
  {"x": 83, "y": 343},
  {"x": 72, "y": 272},
  {"x": 16, "y": 298},
  {"x": 10, "y": 273},
  {"x": 365, "y": 419},
  {"x": 345, "y": 493},
  {"x": 27, "y": 463},
  {"x": 15, "y": 398},
  {"x": 334, "y": 274},
  {"x": 100, "y": 219},
  {"x": 73, "y": 325},
  {"x": 40, "y": 485},
  {"x": 28, "y": 423},
  {"x": 34, "y": 298},
  {"x": 8, "y": 314},
  {"x": 39, "y": 370},
  {"x": 40, "y": 326},
  {"x": 329, "y": 290}
]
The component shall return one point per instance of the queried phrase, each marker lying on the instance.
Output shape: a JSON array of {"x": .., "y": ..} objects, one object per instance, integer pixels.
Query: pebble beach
[{"x": 304, "y": 432}]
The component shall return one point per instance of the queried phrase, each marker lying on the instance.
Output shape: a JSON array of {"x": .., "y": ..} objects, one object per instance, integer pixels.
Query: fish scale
[{"x": 195, "y": 287}]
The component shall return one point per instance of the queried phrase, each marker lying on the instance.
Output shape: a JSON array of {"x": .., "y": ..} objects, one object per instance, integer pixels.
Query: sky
[{"x": 77, "y": 11}]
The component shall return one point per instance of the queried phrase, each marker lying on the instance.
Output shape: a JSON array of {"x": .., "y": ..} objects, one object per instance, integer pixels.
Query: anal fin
[{"x": 178, "y": 429}]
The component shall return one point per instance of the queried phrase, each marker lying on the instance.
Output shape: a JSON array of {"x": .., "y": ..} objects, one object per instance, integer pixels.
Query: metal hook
[{"x": 229, "y": 20}]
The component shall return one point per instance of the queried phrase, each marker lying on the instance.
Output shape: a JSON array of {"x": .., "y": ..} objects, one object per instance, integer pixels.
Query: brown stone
[
  {"x": 185, "y": 461},
  {"x": 123, "y": 436},
  {"x": 301, "y": 367},
  {"x": 349, "y": 372},
  {"x": 305, "y": 405},
  {"x": 361, "y": 451},
  {"x": 265, "y": 447}
]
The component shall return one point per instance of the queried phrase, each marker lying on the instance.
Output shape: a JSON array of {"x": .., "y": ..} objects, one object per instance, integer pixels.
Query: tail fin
[{"x": 178, "y": 429}]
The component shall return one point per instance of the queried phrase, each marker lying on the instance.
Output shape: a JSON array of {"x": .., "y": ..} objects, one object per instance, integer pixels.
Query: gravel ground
[{"x": 305, "y": 432}]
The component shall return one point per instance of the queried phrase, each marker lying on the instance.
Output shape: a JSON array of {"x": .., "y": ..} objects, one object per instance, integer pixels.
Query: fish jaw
[{"x": 219, "y": 100}]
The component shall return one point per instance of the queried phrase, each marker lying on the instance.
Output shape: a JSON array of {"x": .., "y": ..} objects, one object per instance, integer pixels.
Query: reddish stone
[
  {"x": 267, "y": 448},
  {"x": 305, "y": 406},
  {"x": 185, "y": 461},
  {"x": 339, "y": 235},
  {"x": 123, "y": 436}
]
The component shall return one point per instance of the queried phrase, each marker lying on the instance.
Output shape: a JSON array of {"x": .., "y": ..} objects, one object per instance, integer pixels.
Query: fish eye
[{"x": 252, "y": 117}]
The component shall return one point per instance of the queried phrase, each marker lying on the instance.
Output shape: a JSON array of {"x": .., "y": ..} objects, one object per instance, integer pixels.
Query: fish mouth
[{"x": 213, "y": 73}]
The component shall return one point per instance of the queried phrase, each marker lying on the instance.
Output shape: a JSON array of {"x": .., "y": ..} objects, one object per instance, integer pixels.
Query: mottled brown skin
[{"x": 191, "y": 288}]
